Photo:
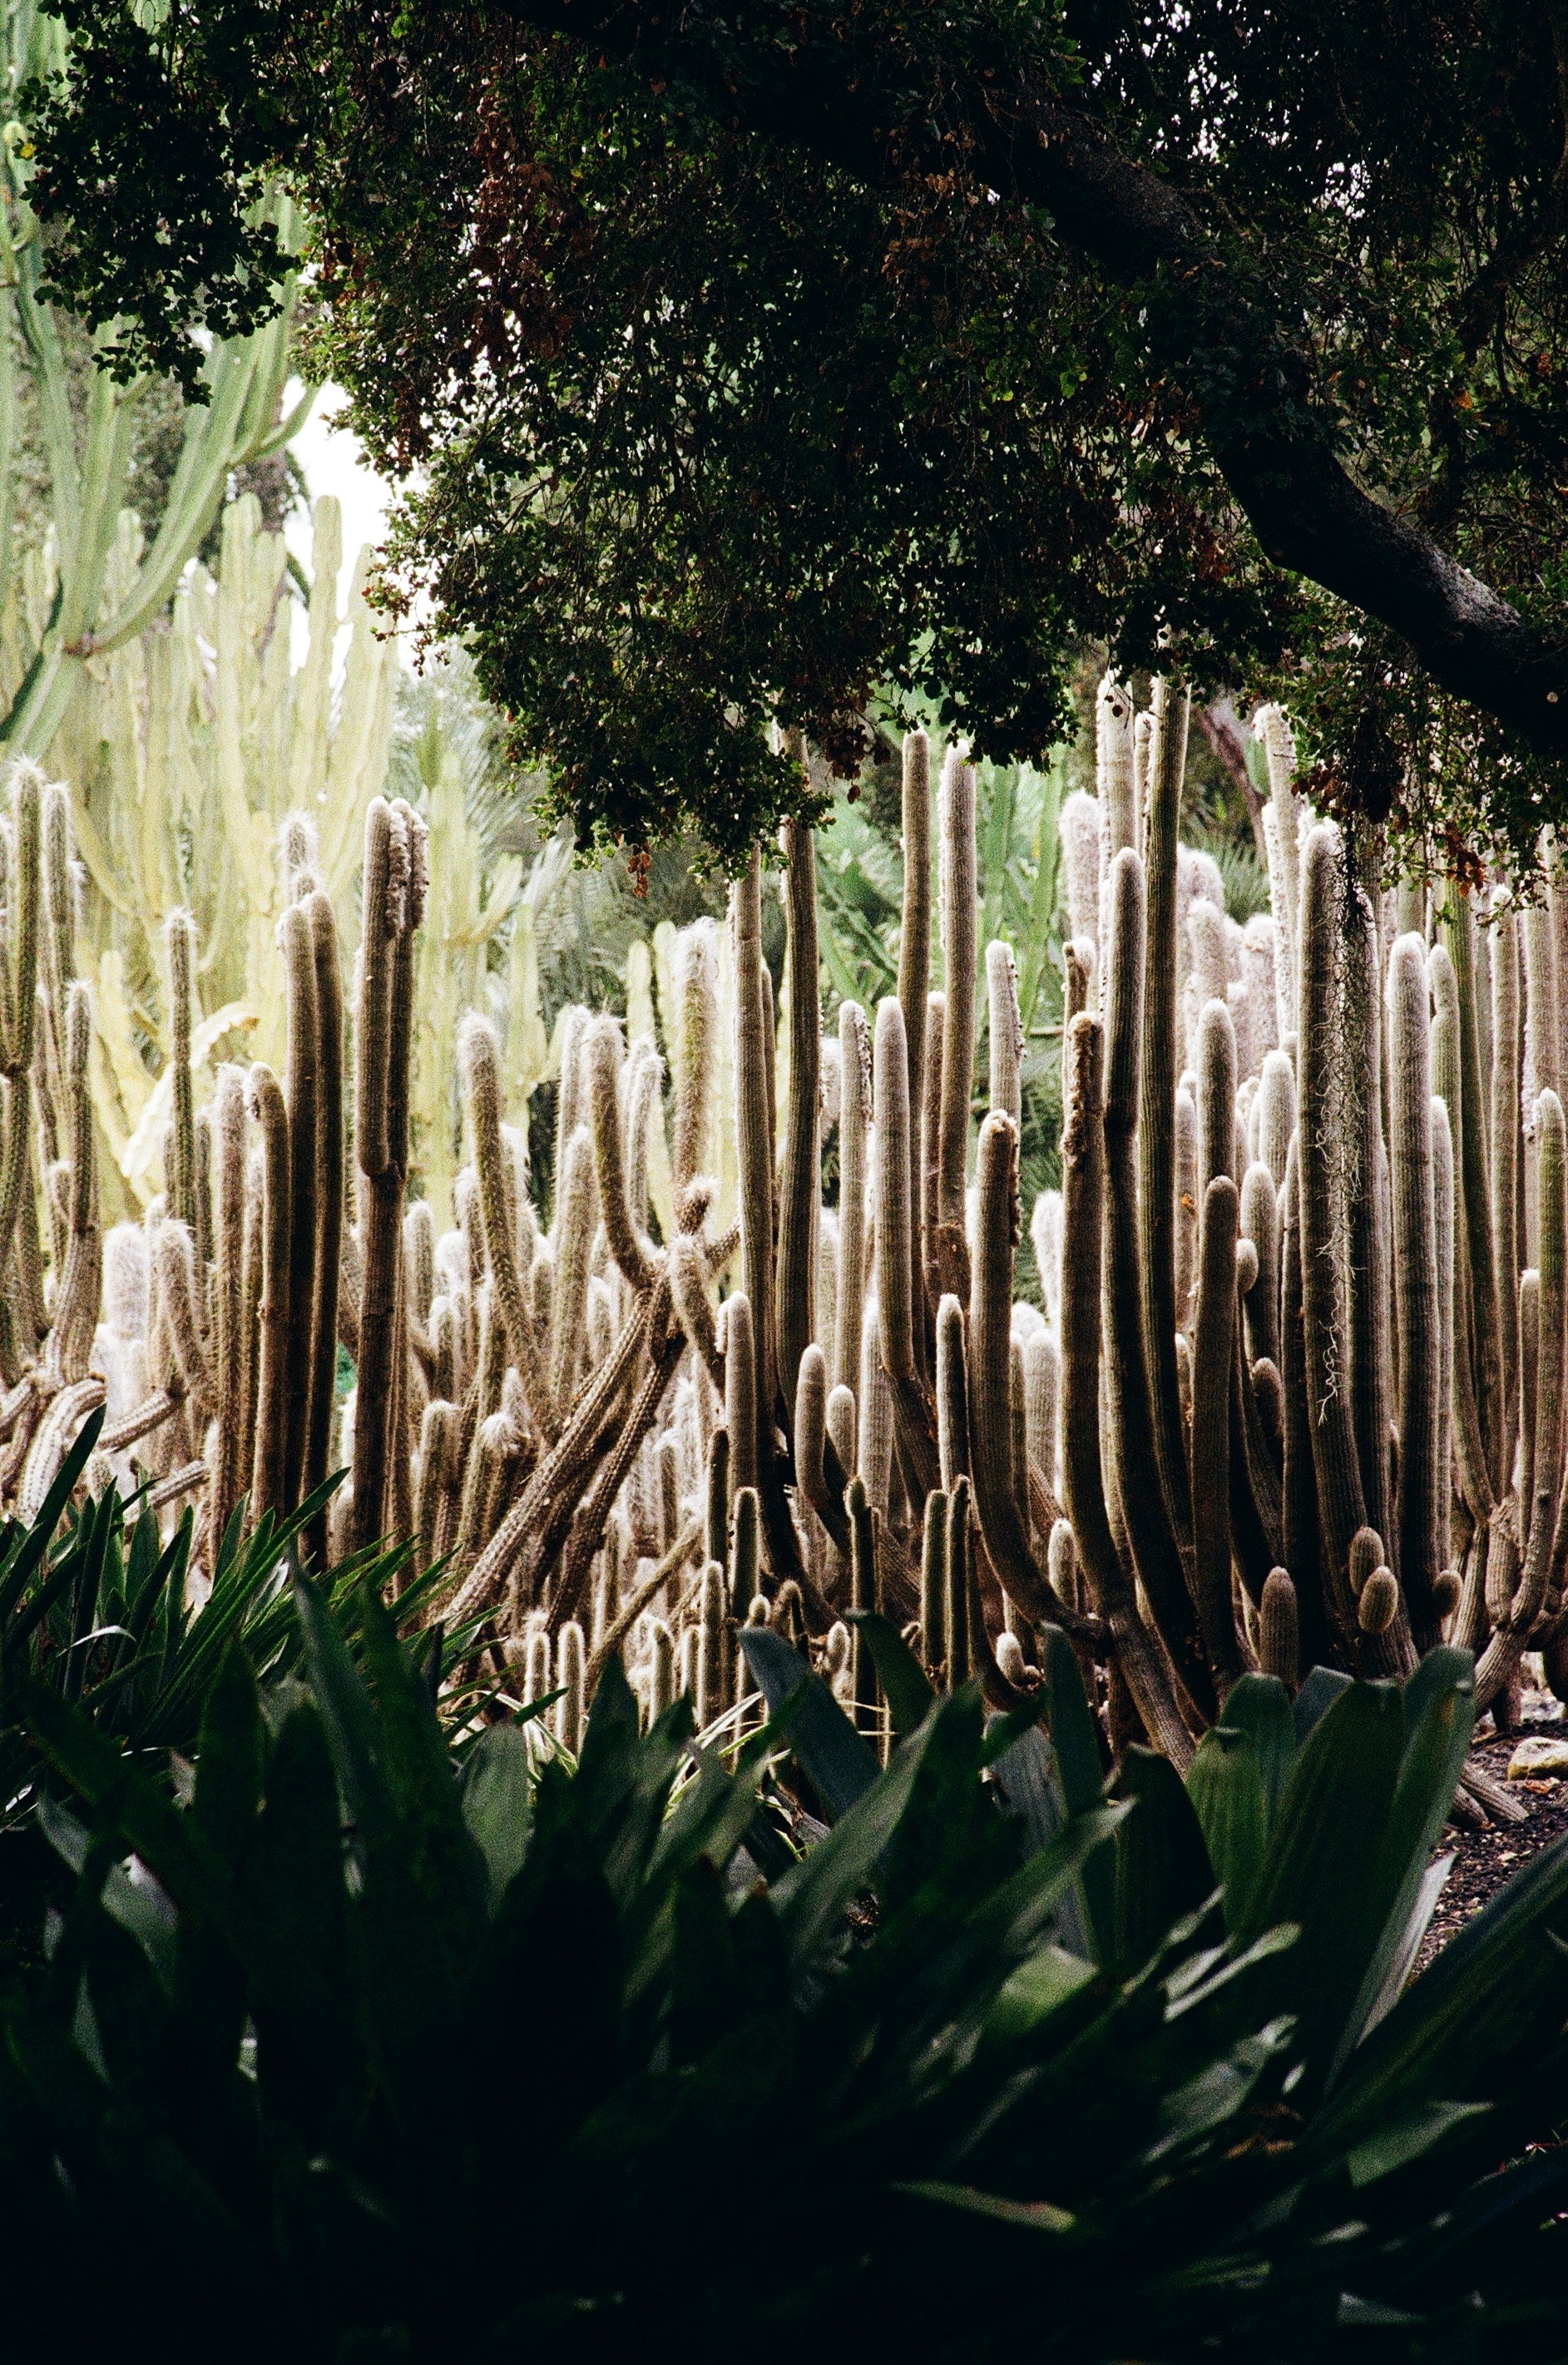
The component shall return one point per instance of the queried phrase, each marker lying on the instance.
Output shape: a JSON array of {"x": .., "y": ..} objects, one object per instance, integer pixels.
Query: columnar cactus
[{"x": 1305, "y": 1184}]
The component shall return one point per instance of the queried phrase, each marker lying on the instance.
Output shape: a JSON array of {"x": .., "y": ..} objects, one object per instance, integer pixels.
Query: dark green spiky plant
[
  {"x": 366, "y": 2056},
  {"x": 94, "y": 1607}
]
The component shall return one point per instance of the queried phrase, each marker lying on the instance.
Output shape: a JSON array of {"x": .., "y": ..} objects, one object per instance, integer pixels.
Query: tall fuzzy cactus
[
  {"x": 959, "y": 918},
  {"x": 913, "y": 980},
  {"x": 1421, "y": 1478},
  {"x": 1131, "y": 1429},
  {"x": 393, "y": 907},
  {"x": 634, "y": 1425},
  {"x": 799, "y": 1180}
]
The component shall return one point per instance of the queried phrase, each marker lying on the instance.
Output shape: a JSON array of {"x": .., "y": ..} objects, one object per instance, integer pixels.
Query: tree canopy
[{"x": 749, "y": 355}]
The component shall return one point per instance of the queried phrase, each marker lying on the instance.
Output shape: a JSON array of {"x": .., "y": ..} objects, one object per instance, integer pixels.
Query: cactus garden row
[{"x": 1292, "y": 1395}]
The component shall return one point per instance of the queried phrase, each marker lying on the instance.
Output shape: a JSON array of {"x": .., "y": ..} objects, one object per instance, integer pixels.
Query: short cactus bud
[
  {"x": 1379, "y": 1601},
  {"x": 1366, "y": 1555},
  {"x": 1010, "y": 1657},
  {"x": 1279, "y": 1639}
]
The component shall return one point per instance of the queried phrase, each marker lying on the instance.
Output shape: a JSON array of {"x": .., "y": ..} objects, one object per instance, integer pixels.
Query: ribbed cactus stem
[
  {"x": 1341, "y": 1504},
  {"x": 959, "y": 918},
  {"x": 1421, "y": 1478},
  {"x": 1130, "y": 1428},
  {"x": 931, "y": 1144},
  {"x": 1470, "y": 1452},
  {"x": 232, "y": 1472},
  {"x": 571, "y": 1708},
  {"x": 863, "y": 1595},
  {"x": 248, "y": 1371},
  {"x": 810, "y": 1443},
  {"x": 479, "y": 1065},
  {"x": 75, "y": 1312},
  {"x": 627, "y": 1245},
  {"x": 1004, "y": 1513},
  {"x": 914, "y": 971},
  {"x": 571, "y": 1096},
  {"x": 711, "y": 1672},
  {"x": 393, "y": 908},
  {"x": 1458, "y": 932},
  {"x": 202, "y": 1235},
  {"x": 853, "y": 1105},
  {"x": 274, "y": 1379},
  {"x": 800, "y": 1150},
  {"x": 769, "y": 1065},
  {"x": 934, "y": 1580},
  {"x": 177, "y": 1293},
  {"x": 952, "y": 1393},
  {"x": 19, "y": 979},
  {"x": 697, "y": 1029},
  {"x": 1213, "y": 1346},
  {"x": 1260, "y": 1225},
  {"x": 643, "y": 1108},
  {"x": 957, "y": 1558},
  {"x": 1217, "y": 1094},
  {"x": 1276, "y": 1113},
  {"x": 1273, "y": 727},
  {"x": 1505, "y": 1124},
  {"x": 716, "y": 1495},
  {"x": 577, "y": 1208},
  {"x": 329, "y": 1181},
  {"x": 1114, "y": 774},
  {"x": 874, "y": 1446},
  {"x": 741, "y": 1390},
  {"x": 745, "y": 1551},
  {"x": 1185, "y": 1212},
  {"x": 844, "y": 1426},
  {"x": 1540, "y": 1517},
  {"x": 179, "y": 938},
  {"x": 439, "y": 1433},
  {"x": 1004, "y": 1033},
  {"x": 686, "y": 1270},
  {"x": 1542, "y": 1052},
  {"x": 1528, "y": 1312},
  {"x": 894, "y": 1232},
  {"x": 1164, "y": 1306},
  {"x": 1369, "y": 1253},
  {"x": 1042, "y": 1403},
  {"x": 59, "y": 915},
  {"x": 662, "y": 1692},
  {"x": 1020, "y": 1424},
  {"x": 1083, "y": 1195},
  {"x": 1279, "y": 1641},
  {"x": 300, "y": 1079},
  {"x": 754, "y": 1072}
]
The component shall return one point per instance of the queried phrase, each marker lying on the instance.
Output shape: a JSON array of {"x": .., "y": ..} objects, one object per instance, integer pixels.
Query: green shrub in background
[{"x": 365, "y": 2055}]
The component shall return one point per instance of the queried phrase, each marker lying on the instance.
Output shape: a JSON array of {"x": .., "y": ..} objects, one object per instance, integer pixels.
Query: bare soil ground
[{"x": 1486, "y": 1861}]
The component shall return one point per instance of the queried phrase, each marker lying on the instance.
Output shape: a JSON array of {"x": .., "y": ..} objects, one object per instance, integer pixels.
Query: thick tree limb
[
  {"x": 850, "y": 106},
  {"x": 1225, "y": 734}
]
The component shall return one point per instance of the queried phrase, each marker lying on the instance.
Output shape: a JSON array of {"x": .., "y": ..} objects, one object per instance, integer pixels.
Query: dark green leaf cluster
[
  {"x": 356, "y": 2052},
  {"x": 715, "y": 435},
  {"x": 200, "y": 136},
  {"x": 94, "y": 1606}
]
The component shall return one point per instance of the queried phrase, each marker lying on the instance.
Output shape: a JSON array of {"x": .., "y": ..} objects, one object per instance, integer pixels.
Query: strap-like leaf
[
  {"x": 497, "y": 1802},
  {"x": 899, "y": 1672},
  {"x": 1226, "y": 1789},
  {"x": 1260, "y": 1706},
  {"x": 839, "y": 1761},
  {"x": 1071, "y": 1727}
]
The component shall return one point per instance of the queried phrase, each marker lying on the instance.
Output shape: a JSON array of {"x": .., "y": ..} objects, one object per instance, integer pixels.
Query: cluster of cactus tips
[{"x": 1292, "y": 1394}]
